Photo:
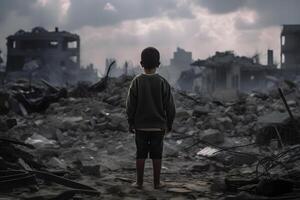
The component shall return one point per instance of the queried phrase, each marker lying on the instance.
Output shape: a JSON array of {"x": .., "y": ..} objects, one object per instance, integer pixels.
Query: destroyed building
[
  {"x": 52, "y": 55},
  {"x": 226, "y": 71},
  {"x": 290, "y": 52},
  {"x": 180, "y": 62},
  {"x": 1, "y": 63},
  {"x": 181, "y": 58},
  {"x": 290, "y": 48}
]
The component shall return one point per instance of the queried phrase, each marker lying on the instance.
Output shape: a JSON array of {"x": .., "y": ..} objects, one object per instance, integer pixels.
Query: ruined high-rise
[{"x": 290, "y": 46}]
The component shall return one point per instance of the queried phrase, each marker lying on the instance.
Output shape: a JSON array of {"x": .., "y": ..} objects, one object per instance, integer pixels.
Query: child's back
[
  {"x": 150, "y": 104},
  {"x": 150, "y": 111}
]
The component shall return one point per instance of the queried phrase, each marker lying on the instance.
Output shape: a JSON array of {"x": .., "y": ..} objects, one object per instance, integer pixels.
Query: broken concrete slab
[
  {"x": 212, "y": 136},
  {"x": 274, "y": 118}
]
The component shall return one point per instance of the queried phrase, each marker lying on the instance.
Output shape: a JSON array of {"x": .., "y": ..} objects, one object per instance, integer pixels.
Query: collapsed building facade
[
  {"x": 290, "y": 51},
  {"x": 290, "y": 48},
  {"x": 226, "y": 71},
  {"x": 51, "y": 55}
]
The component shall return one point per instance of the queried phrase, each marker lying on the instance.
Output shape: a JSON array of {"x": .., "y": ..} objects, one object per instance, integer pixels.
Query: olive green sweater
[{"x": 150, "y": 103}]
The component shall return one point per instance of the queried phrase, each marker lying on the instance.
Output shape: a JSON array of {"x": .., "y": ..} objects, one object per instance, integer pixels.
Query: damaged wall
[
  {"x": 50, "y": 55},
  {"x": 57, "y": 47},
  {"x": 290, "y": 48}
]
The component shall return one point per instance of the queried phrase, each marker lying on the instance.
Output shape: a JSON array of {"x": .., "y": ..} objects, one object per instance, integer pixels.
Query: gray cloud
[
  {"x": 269, "y": 12},
  {"x": 222, "y": 6},
  {"x": 276, "y": 12},
  {"x": 19, "y": 6},
  {"x": 30, "y": 9},
  {"x": 92, "y": 12}
]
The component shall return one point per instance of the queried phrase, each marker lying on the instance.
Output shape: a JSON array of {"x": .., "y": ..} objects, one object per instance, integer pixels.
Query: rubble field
[{"x": 74, "y": 143}]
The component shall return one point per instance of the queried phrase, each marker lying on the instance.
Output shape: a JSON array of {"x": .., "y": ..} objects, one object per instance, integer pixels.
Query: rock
[
  {"x": 183, "y": 113},
  {"x": 113, "y": 100},
  {"x": 200, "y": 111},
  {"x": 226, "y": 123},
  {"x": 101, "y": 126},
  {"x": 170, "y": 150},
  {"x": 179, "y": 190},
  {"x": 8, "y": 124},
  {"x": 273, "y": 118},
  {"x": 199, "y": 167},
  {"x": 117, "y": 122},
  {"x": 70, "y": 122},
  {"x": 57, "y": 163},
  {"x": 218, "y": 185},
  {"x": 64, "y": 139},
  {"x": 38, "y": 122},
  {"x": 72, "y": 119},
  {"x": 212, "y": 136},
  {"x": 4, "y": 103},
  {"x": 292, "y": 103},
  {"x": 213, "y": 123},
  {"x": 241, "y": 159},
  {"x": 189, "y": 122},
  {"x": 197, "y": 186},
  {"x": 40, "y": 141},
  {"x": 224, "y": 119},
  {"x": 181, "y": 129},
  {"x": 89, "y": 167}
]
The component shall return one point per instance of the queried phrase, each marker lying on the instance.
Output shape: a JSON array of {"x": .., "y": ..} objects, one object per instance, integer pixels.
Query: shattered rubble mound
[{"x": 73, "y": 143}]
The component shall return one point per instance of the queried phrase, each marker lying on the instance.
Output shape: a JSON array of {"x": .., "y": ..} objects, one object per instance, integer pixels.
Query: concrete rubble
[{"x": 76, "y": 140}]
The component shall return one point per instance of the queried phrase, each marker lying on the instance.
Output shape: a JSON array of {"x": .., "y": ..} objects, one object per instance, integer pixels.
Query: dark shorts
[{"x": 149, "y": 143}]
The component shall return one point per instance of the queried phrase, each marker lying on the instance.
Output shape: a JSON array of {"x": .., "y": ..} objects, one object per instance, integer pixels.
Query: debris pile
[{"x": 237, "y": 149}]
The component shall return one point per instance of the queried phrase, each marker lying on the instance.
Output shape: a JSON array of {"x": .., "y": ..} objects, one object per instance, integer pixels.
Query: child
[{"x": 150, "y": 111}]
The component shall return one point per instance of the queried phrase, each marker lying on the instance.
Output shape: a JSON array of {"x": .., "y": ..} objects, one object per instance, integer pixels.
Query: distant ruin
[
  {"x": 52, "y": 55},
  {"x": 290, "y": 48},
  {"x": 227, "y": 72}
]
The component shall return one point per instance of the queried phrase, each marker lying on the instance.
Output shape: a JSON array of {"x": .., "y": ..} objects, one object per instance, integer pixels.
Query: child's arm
[
  {"x": 170, "y": 107},
  {"x": 131, "y": 104}
]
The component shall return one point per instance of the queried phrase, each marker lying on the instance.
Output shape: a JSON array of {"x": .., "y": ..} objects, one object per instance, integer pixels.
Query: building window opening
[
  {"x": 73, "y": 45},
  {"x": 14, "y": 44},
  {"x": 282, "y": 40},
  {"x": 74, "y": 59},
  {"x": 283, "y": 58},
  {"x": 53, "y": 44}
]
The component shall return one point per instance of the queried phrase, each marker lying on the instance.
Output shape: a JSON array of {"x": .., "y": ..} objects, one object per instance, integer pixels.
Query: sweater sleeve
[
  {"x": 131, "y": 102},
  {"x": 169, "y": 106}
]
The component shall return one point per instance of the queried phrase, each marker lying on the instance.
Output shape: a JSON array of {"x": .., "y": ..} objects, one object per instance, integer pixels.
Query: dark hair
[{"x": 150, "y": 58}]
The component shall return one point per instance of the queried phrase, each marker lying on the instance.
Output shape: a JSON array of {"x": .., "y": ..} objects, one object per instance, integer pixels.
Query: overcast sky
[{"x": 122, "y": 28}]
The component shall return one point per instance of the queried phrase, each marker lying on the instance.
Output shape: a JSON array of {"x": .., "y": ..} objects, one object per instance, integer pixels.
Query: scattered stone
[
  {"x": 212, "y": 136},
  {"x": 200, "y": 111}
]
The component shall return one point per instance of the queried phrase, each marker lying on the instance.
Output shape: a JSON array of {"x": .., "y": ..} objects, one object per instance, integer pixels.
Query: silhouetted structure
[
  {"x": 270, "y": 57},
  {"x": 59, "y": 48},
  {"x": 51, "y": 55},
  {"x": 181, "y": 58},
  {"x": 226, "y": 71},
  {"x": 290, "y": 46}
]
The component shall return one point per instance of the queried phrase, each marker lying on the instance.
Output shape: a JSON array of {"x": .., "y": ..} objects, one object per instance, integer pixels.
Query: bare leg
[
  {"x": 156, "y": 172},
  {"x": 140, "y": 165}
]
